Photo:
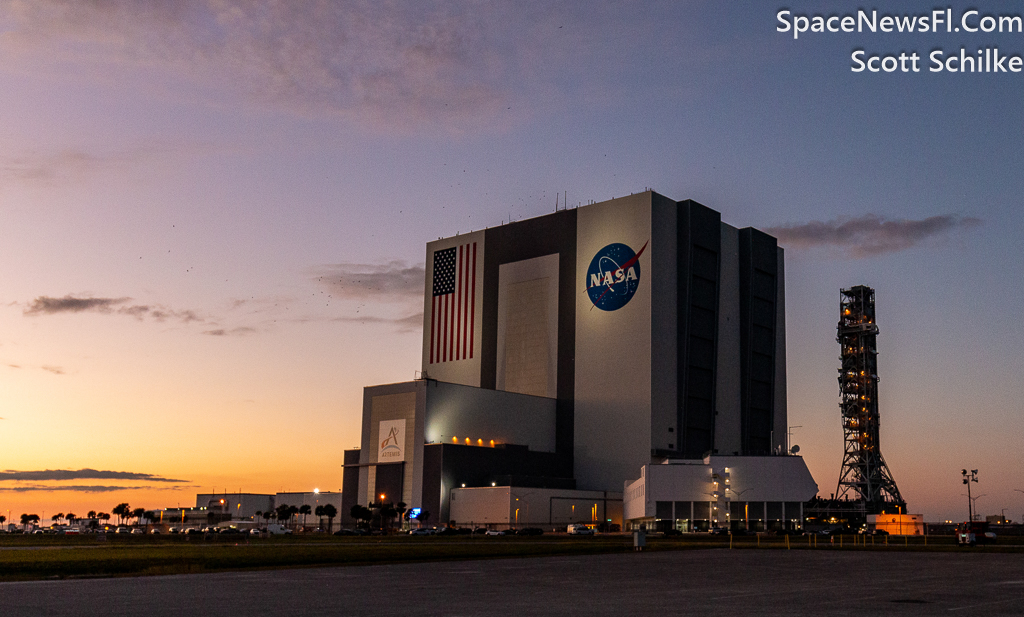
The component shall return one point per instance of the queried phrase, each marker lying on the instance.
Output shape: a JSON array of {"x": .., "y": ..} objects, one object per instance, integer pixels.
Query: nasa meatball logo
[{"x": 614, "y": 276}]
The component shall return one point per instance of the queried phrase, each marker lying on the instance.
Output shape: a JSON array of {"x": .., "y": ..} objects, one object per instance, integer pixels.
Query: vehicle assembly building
[{"x": 568, "y": 355}]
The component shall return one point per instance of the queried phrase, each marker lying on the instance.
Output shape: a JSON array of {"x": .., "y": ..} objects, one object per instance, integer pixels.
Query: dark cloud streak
[
  {"x": 869, "y": 235},
  {"x": 61, "y": 475},
  {"x": 45, "y": 305},
  {"x": 76, "y": 488}
]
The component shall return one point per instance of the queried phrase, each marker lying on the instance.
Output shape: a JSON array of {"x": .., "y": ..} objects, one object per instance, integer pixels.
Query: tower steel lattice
[{"x": 864, "y": 479}]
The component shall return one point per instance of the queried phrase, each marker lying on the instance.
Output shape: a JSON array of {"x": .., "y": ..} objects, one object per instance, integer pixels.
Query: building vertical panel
[
  {"x": 781, "y": 405},
  {"x": 665, "y": 433},
  {"x": 546, "y": 235},
  {"x": 613, "y": 359},
  {"x": 727, "y": 387},
  {"x": 758, "y": 301},
  {"x": 698, "y": 256}
]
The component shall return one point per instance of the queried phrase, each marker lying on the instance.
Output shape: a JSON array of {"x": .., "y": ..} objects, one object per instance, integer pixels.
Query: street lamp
[
  {"x": 968, "y": 478},
  {"x": 746, "y": 507}
]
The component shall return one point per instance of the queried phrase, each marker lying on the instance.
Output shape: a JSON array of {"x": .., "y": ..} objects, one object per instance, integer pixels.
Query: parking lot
[{"x": 689, "y": 582}]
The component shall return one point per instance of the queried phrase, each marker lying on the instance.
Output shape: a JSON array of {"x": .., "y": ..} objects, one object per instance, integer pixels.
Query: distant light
[
  {"x": 382, "y": 496},
  {"x": 492, "y": 443},
  {"x": 316, "y": 491},
  {"x": 467, "y": 441},
  {"x": 463, "y": 485},
  {"x": 493, "y": 484},
  {"x": 455, "y": 439}
]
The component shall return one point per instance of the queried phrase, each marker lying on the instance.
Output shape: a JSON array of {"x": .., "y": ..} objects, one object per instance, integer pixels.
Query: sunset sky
[{"x": 213, "y": 217}]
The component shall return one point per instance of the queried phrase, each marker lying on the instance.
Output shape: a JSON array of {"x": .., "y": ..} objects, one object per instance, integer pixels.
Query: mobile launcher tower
[{"x": 865, "y": 484}]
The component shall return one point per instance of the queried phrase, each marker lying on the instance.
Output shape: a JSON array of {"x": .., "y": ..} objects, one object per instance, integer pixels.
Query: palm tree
[
  {"x": 57, "y": 517},
  {"x": 282, "y": 513},
  {"x": 292, "y": 511},
  {"x": 91, "y": 514},
  {"x": 304, "y": 510},
  {"x": 123, "y": 511},
  {"x": 330, "y": 511},
  {"x": 137, "y": 514},
  {"x": 361, "y": 513},
  {"x": 3, "y": 519},
  {"x": 71, "y": 518},
  {"x": 319, "y": 512},
  {"x": 103, "y": 516},
  {"x": 28, "y": 519}
]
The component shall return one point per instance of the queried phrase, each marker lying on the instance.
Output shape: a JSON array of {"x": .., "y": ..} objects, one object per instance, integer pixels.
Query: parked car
[
  {"x": 580, "y": 530},
  {"x": 422, "y": 531},
  {"x": 530, "y": 531},
  {"x": 493, "y": 532},
  {"x": 122, "y": 530}
]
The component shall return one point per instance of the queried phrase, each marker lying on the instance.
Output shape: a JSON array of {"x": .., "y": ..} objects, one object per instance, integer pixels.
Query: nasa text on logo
[{"x": 614, "y": 276}]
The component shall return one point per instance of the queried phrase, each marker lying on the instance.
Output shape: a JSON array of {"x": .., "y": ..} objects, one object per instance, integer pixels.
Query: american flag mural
[{"x": 453, "y": 307}]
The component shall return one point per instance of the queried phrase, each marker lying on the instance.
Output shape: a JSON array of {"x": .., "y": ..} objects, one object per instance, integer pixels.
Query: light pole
[
  {"x": 968, "y": 478},
  {"x": 790, "y": 434},
  {"x": 746, "y": 507}
]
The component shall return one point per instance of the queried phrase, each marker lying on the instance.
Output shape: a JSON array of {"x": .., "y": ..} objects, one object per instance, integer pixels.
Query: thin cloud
[
  {"x": 869, "y": 235},
  {"x": 56, "y": 370},
  {"x": 240, "y": 331},
  {"x": 402, "y": 324},
  {"x": 62, "y": 475},
  {"x": 46, "y": 167},
  {"x": 390, "y": 63},
  {"x": 46, "y": 305},
  {"x": 393, "y": 281},
  {"x": 49, "y": 167}
]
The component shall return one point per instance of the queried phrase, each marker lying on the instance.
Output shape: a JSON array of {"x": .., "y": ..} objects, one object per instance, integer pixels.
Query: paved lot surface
[{"x": 696, "y": 582}]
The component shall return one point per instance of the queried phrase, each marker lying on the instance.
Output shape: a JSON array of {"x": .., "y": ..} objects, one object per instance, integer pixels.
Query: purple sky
[{"x": 213, "y": 218}]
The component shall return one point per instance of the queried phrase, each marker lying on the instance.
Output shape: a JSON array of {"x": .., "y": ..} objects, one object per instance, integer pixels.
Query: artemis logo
[
  {"x": 614, "y": 276},
  {"x": 392, "y": 441}
]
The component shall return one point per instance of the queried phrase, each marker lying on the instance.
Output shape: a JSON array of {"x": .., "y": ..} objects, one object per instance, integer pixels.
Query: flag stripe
[
  {"x": 433, "y": 303},
  {"x": 458, "y": 300},
  {"x": 472, "y": 314}
]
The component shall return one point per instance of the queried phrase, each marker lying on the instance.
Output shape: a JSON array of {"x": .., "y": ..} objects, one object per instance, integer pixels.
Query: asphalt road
[{"x": 693, "y": 582}]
